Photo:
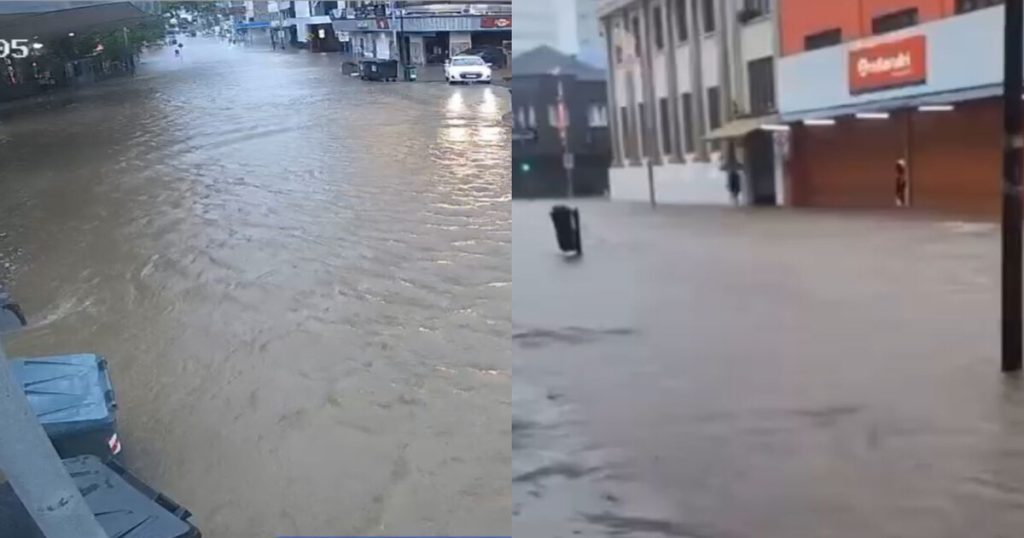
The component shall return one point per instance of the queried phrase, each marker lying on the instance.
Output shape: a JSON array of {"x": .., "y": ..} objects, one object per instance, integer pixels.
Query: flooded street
[
  {"x": 713, "y": 373},
  {"x": 301, "y": 282}
]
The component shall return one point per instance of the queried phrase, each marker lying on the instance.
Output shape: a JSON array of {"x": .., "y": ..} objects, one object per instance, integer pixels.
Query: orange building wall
[{"x": 800, "y": 18}]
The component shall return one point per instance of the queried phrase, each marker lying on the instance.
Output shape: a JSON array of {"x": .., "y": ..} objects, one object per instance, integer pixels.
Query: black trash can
[
  {"x": 567, "y": 228},
  {"x": 410, "y": 73}
]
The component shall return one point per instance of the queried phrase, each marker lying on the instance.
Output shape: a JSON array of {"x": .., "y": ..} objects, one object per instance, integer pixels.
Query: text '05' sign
[
  {"x": 888, "y": 65},
  {"x": 496, "y": 22}
]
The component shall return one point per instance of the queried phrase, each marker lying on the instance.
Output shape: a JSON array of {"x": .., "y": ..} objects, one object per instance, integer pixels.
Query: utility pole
[
  {"x": 35, "y": 472},
  {"x": 1013, "y": 73},
  {"x": 563, "y": 133}
]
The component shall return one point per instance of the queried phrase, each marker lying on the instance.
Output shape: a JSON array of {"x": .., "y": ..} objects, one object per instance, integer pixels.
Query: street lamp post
[{"x": 1013, "y": 73}]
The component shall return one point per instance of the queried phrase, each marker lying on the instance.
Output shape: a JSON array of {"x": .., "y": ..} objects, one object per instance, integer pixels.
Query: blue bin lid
[
  {"x": 121, "y": 510},
  {"x": 70, "y": 394}
]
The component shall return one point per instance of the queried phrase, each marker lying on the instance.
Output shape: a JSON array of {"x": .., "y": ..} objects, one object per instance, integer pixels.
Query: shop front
[{"x": 920, "y": 107}]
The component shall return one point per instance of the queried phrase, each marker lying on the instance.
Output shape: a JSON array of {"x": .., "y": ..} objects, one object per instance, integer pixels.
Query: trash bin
[
  {"x": 567, "y": 228},
  {"x": 120, "y": 508},
  {"x": 379, "y": 70},
  {"x": 74, "y": 400},
  {"x": 349, "y": 68},
  {"x": 410, "y": 73}
]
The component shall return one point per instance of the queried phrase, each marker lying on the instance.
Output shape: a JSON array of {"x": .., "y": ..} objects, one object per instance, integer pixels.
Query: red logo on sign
[
  {"x": 496, "y": 22},
  {"x": 382, "y": 24},
  {"x": 888, "y": 65}
]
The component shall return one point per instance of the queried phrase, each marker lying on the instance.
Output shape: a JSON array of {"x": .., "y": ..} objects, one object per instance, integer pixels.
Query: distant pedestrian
[
  {"x": 735, "y": 186},
  {"x": 902, "y": 184},
  {"x": 177, "y": 53}
]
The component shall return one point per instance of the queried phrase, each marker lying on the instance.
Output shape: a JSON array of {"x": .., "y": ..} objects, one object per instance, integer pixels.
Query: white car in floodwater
[{"x": 467, "y": 69}]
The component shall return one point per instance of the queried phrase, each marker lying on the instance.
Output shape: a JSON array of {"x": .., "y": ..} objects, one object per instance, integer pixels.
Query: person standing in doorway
[
  {"x": 735, "y": 185},
  {"x": 902, "y": 184}
]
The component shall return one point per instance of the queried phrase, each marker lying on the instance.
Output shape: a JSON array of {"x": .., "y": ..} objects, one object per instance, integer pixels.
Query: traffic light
[{"x": 525, "y": 167}]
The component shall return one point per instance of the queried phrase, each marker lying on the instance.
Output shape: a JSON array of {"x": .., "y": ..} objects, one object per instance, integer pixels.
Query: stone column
[
  {"x": 698, "y": 127},
  {"x": 671, "y": 72},
  {"x": 650, "y": 136},
  {"x": 614, "y": 128}
]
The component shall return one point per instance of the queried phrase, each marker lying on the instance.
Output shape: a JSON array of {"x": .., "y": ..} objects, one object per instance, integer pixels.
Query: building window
[
  {"x": 709, "y": 15},
  {"x": 659, "y": 32},
  {"x": 641, "y": 128},
  {"x": 688, "y": 144},
  {"x": 532, "y": 117},
  {"x": 761, "y": 77},
  {"x": 618, "y": 54},
  {"x": 636, "y": 36},
  {"x": 896, "y": 20},
  {"x": 627, "y": 133},
  {"x": 963, "y": 6},
  {"x": 824, "y": 39},
  {"x": 753, "y": 9},
  {"x": 714, "y": 113},
  {"x": 553, "y": 118},
  {"x": 666, "y": 125},
  {"x": 683, "y": 30},
  {"x": 597, "y": 115}
]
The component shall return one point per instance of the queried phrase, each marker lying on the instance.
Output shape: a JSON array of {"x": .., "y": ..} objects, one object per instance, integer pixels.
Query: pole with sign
[{"x": 568, "y": 160}]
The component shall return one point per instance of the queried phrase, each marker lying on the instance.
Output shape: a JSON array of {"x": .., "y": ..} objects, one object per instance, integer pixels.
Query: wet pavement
[
  {"x": 774, "y": 374},
  {"x": 301, "y": 282}
]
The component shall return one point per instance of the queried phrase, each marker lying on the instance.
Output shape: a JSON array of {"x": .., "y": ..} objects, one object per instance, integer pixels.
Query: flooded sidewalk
[
  {"x": 300, "y": 281},
  {"x": 774, "y": 374}
]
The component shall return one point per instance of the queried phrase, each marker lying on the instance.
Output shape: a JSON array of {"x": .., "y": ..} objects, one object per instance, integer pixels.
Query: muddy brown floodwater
[{"x": 301, "y": 282}]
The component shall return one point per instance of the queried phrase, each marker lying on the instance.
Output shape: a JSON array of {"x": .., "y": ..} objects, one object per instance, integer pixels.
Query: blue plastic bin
[{"x": 74, "y": 400}]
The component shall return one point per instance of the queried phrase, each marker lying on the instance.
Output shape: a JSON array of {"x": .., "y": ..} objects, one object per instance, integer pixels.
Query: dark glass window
[
  {"x": 636, "y": 36},
  {"x": 683, "y": 30},
  {"x": 629, "y": 147},
  {"x": 659, "y": 33},
  {"x": 714, "y": 113},
  {"x": 824, "y": 39},
  {"x": 642, "y": 133},
  {"x": 896, "y": 20},
  {"x": 963, "y": 6},
  {"x": 689, "y": 146},
  {"x": 761, "y": 77},
  {"x": 666, "y": 125},
  {"x": 709, "y": 15}
]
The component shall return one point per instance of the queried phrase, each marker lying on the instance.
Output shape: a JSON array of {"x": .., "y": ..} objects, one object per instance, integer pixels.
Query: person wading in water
[{"x": 902, "y": 185}]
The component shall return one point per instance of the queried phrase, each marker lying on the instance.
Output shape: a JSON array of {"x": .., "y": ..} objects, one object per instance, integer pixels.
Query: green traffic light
[{"x": 525, "y": 167}]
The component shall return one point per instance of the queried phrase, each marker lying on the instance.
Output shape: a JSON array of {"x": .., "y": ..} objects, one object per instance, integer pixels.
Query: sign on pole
[{"x": 568, "y": 161}]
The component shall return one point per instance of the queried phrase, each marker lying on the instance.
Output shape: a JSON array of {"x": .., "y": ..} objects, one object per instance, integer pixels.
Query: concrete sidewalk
[{"x": 769, "y": 374}]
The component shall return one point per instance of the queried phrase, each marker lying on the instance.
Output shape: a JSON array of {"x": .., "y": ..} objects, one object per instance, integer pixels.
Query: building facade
[
  {"x": 866, "y": 83},
  {"x": 556, "y": 96},
  {"x": 424, "y": 32},
  {"x": 691, "y": 82}
]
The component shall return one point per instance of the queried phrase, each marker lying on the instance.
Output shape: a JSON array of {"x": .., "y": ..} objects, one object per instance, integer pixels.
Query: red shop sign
[
  {"x": 496, "y": 22},
  {"x": 888, "y": 65}
]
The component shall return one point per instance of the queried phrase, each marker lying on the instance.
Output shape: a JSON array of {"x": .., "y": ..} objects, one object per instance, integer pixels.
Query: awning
[
  {"x": 913, "y": 101},
  {"x": 740, "y": 127},
  {"x": 56, "y": 24}
]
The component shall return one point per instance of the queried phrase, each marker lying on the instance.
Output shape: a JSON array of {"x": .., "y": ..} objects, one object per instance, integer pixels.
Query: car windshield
[{"x": 467, "y": 61}]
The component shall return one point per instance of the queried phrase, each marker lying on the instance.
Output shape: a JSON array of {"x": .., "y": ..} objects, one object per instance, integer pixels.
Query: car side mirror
[{"x": 489, "y": 64}]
